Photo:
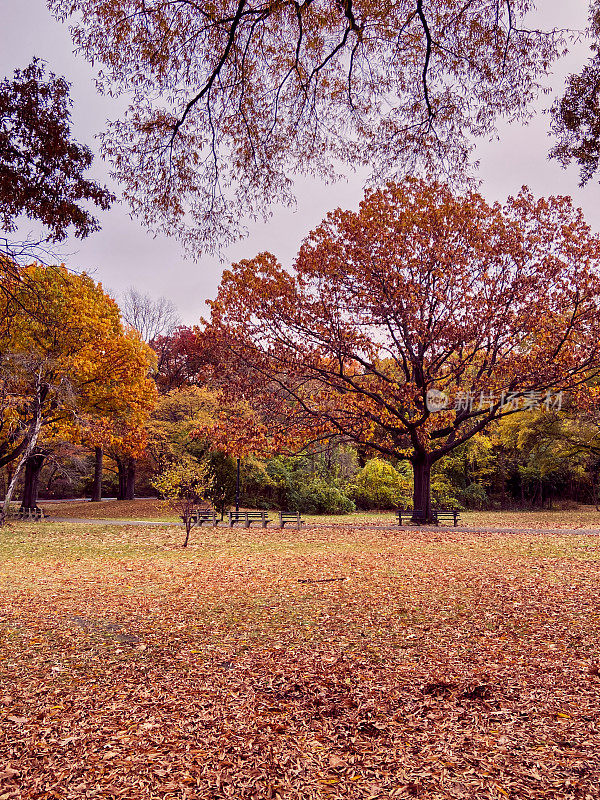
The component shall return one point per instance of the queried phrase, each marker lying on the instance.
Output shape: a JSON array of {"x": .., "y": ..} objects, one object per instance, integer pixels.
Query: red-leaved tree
[{"x": 419, "y": 292}]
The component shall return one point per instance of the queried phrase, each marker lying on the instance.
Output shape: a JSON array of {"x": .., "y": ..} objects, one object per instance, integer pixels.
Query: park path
[
  {"x": 110, "y": 521},
  {"x": 365, "y": 526}
]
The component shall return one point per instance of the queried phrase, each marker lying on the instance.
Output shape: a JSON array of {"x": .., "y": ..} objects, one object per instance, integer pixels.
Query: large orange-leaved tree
[{"x": 409, "y": 326}]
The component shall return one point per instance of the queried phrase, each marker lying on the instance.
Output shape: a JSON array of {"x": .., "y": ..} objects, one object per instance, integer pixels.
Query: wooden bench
[
  {"x": 437, "y": 513},
  {"x": 201, "y": 516},
  {"x": 34, "y": 514},
  {"x": 292, "y": 517},
  {"x": 248, "y": 517}
]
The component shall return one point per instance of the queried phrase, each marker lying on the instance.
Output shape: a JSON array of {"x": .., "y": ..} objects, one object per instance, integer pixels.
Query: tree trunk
[
  {"x": 33, "y": 467},
  {"x": 122, "y": 479},
  {"x": 422, "y": 488},
  {"x": 34, "y": 432},
  {"x": 97, "y": 487},
  {"x": 130, "y": 480},
  {"x": 51, "y": 478},
  {"x": 187, "y": 518},
  {"x": 126, "y": 468}
]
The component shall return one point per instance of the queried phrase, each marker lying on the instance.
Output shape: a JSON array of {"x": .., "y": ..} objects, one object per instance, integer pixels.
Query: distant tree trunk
[
  {"x": 51, "y": 478},
  {"x": 97, "y": 487},
  {"x": 422, "y": 487},
  {"x": 126, "y": 469},
  {"x": 130, "y": 480},
  {"x": 362, "y": 456},
  {"x": 502, "y": 473},
  {"x": 122, "y": 479},
  {"x": 34, "y": 432},
  {"x": 33, "y": 467}
]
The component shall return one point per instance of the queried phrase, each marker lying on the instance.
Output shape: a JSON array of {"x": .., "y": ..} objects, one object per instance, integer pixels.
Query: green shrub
[
  {"x": 443, "y": 493},
  {"x": 473, "y": 496},
  {"x": 291, "y": 484},
  {"x": 380, "y": 485}
]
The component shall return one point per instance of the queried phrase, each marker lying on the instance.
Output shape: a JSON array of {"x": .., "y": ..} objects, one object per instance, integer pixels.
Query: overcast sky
[{"x": 122, "y": 254}]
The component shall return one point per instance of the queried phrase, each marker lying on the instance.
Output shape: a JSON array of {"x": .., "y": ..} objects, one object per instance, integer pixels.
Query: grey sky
[{"x": 123, "y": 254}]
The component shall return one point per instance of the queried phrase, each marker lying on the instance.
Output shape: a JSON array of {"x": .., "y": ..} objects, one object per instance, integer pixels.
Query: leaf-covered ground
[
  {"x": 443, "y": 665},
  {"x": 140, "y": 508}
]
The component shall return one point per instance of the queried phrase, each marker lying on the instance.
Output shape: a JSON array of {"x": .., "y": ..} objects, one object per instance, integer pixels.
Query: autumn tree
[
  {"x": 41, "y": 166},
  {"x": 150, "y": 318},
  {"x": 576, "y": 115},
  {"x": 127, "y": 445},
  {"x": 66, "y": 365},
  {"x": 181, "y": 360},
  {"x": 184, "y": 427},
  {"x": 421, "y": 296},
  {"x": 545, "y": 452},
  {"x": 176, "y": 418},
  {"x": 183, "y": 485},
  {"x": 121, "y": 433},
  {"x": 154, "y": 321},
  {"x": 229, "y": 100}
]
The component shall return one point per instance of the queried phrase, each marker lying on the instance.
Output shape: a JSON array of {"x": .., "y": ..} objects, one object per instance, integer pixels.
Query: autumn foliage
[
  {"x": 229, "y": 100},
  {"x": 68, "y": 368},
  {"x": 419, "y": 290},
  {"x": 41, "y": 166}
]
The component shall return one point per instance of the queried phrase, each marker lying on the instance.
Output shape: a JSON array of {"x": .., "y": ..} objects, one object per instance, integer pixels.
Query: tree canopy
[
  {"x": 420, "y": 294},
  {"x": 230, "y": 99},
  {"x": 67, "y": 367},
  {"x": 41, "y": 166},
  {"x": 576, "y": 115}
]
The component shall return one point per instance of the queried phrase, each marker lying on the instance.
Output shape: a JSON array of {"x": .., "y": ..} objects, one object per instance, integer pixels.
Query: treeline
[{"x": 112, "y": 412}]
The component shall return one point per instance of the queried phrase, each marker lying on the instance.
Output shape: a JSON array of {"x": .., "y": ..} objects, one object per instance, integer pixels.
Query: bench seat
[
  {"x": 290, "y": 517},
  {"x": 35, "y": 514},
  {"x": 437, "y": 513},
  {"x": 248, "y": 517}
]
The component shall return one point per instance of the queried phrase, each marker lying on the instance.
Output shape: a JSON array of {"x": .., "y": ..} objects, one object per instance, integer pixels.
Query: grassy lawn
[{"x": 443, "y": 665}]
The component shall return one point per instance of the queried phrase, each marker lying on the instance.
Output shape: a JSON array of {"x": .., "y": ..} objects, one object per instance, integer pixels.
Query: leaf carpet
[{"x": 443, "y": 665}]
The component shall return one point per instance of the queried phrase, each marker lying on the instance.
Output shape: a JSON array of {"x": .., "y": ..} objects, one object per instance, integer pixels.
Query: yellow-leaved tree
[{"x": 64, "y": 363}]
